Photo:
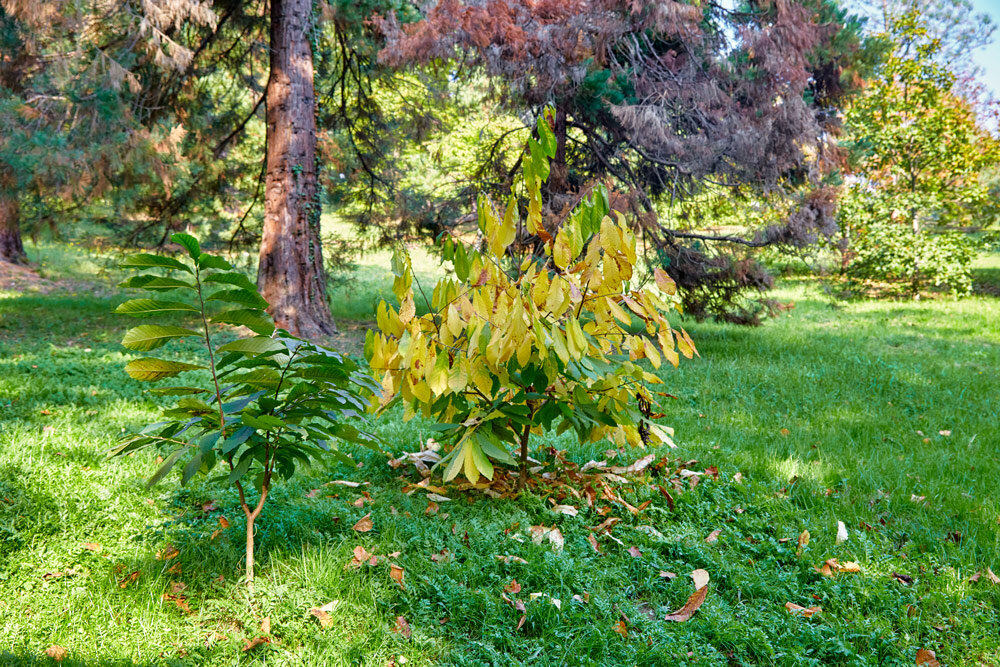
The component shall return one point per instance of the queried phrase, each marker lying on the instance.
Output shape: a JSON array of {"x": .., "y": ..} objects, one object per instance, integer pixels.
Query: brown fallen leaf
[
  {"x": 129, "y": 578},
  {"x": 634, "y": 552},
  {"x": 364, "y": 524},
  {"x": 714, "y": 536},
  {"x": 322, "y": 614},
  {"x": 690, "y": 607},
  {"x": 667, "y": 575},
  {"x": 994, "y": 579},
  {"x": 92, "y": 546},
  {"x": 397, "y": 573},
  {"x": 798, "y": 610},
  {"x": 442, "y": 556},
  {"x": 432, "y": 508},
  {"x": 313, "y": 493},
  {"x": 360, "y": 557},
  {"x": 700, "y": 578},
  {"x": 926, "y": 657},
  {"x": 167, "y": 553},
  {"x": 738, "y": 478},
  {"x": 593, "y": 543},
  {"x": 825, "y": 570},
  {"x": 402, "y": 627},
  {"x": 223, "y": 522},
  {"x": 512, "y": 559},
  {"x": 177, "y": 587},
  {"x": 56, "y": 652},
  {"x": 568, "y": 510},
  {"x": 265, "y": 625},
  {"x": 513, "y": 587},
  {"x": 902, "y": 578},
  {"x": 254, "y": 643},
  {"x": 621, "y": 629},
  {"x": 974, "y": 578}
]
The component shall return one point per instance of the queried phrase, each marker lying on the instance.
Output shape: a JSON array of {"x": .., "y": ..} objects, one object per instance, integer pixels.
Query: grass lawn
[{"x": 881, "y": 415}]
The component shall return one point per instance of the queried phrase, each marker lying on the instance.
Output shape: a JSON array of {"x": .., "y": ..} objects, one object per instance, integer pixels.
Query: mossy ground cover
[{"x": 882, "y": 415}]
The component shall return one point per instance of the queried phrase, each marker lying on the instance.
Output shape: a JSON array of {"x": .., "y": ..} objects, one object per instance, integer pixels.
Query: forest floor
[{"x": 880, "y": 415}]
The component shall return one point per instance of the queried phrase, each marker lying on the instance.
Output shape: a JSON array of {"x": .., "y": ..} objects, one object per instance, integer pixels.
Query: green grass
[{"x": 852, "y": 387}]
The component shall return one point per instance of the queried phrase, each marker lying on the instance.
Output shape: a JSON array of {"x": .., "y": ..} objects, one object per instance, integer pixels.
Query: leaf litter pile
[{"x": 569, "y": 489}]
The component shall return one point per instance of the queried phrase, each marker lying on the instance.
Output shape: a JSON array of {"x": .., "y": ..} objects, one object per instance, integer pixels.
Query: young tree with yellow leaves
[{"x": 554, "y": 342}]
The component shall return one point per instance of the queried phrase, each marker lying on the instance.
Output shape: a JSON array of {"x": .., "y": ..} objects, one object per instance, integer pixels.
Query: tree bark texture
[
  {"x": 11, "y": 247},
  {"x": 290, "y": 274}
]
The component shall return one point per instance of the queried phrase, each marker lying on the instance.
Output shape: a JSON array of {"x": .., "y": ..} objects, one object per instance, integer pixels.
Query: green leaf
[
  {"x": 236, "y": 439},
  {"x": 496, "y": 452},
  {"x": 231, "y": 278},
  {"x": 150, "y": 369},
  {"x": 151, "y": 336},
  {"x": 241, "y": 468},
  {"x": 262, "y": 377},
  {"x": 456, "y": 463},
  {"x": 177, "y": 391},
  {"x": 155, "y": 283},
  {"x": 241, "y": 296},
  {"x": 255, "y": 345},
  {"x": 189, "y": 242},
  {"x": 262, "y": 422},
  {"x": 255, "y": 320},
  {"x": 546, "y": 137},
  {"x": 162, "y": 471},
  {"x": 191, "y": 468},
  {"x": 207, "y": 261},
  {"x": 139, "y": 307},
  {"x": 147, "y": 260}
]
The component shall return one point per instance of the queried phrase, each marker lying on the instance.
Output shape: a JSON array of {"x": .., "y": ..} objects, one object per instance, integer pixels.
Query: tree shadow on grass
[{"x": 9, "y": 659}]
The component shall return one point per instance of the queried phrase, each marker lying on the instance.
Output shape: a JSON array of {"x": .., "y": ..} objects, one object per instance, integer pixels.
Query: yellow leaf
[
  {"x": 664, "y": 282},
  {"x": 651, "y": 353},
  {"x": 438, "y": 378},
  {"x": 421, "y": 391},
  {"x": 524, "y": 351},
  {"x": 575, "y": 331},
  {"x": 559, "y": 345},
  {"x": 455, "y": 324},
  {"x": 561, "y": 252},
  {"x": 407, "y": 309}
]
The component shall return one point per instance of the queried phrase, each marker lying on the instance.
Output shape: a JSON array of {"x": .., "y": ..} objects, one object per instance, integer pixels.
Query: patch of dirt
[
  {"x": 350, "y": 336},
  {"x": 23, "y": 278}
]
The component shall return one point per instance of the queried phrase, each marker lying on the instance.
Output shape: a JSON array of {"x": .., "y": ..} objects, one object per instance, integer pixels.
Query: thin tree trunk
[
  {"x": 11, "y": 247},
  {"x": 522, "y": 478},
  {"x": 290, "y": 274}
]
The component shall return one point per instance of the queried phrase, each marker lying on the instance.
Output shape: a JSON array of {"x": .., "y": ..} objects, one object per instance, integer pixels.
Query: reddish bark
[
  {"x": 290, "y": 274},
  {"x": 11, "y": 248}
]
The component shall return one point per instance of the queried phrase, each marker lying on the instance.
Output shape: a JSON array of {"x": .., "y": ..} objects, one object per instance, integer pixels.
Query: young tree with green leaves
[{"x": 271, "y": 403}]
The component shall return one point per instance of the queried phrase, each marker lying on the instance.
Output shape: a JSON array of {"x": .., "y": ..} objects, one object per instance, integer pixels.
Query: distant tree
[
  {"x": 662, "y": 99},
  {"x": 69, "y": 123},
  {"x": 921, "y": 157},
  {"x": 956, "y": 24}
]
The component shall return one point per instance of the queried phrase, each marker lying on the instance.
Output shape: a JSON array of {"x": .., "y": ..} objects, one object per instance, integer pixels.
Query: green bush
[{"x": 882, "y": 249}]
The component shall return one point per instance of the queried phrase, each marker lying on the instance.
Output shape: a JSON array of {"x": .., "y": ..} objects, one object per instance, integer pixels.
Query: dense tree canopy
[{"x": 663, "y": 99}]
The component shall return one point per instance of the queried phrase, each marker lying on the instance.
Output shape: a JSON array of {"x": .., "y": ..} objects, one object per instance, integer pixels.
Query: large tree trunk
[
  {"x": 11, "y": 248},
  {"x": 290, "y": 275}
]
